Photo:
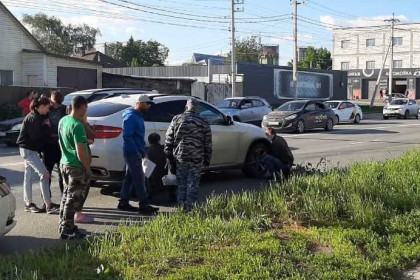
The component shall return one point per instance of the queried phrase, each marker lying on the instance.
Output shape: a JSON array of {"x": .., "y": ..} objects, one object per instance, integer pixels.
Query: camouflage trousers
[
  {"x": 76, "y": 185},
  {"x": 188, "y": 179}
]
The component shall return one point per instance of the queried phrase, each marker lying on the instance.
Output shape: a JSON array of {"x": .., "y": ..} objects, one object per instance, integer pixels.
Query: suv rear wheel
[{"x": 253, "y": 166}]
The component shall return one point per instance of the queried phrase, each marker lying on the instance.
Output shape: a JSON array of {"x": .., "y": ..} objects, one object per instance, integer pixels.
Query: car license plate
[{"x": 273, "y": 123}]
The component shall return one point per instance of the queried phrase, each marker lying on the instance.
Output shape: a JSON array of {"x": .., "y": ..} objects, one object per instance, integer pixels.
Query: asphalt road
[{"x": 373, "y": 139}]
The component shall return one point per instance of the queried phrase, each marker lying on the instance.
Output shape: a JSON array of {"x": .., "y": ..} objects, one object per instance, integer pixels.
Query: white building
[
  {"x": 361, "y": 52},
  {"x": 25, "y": 62}
]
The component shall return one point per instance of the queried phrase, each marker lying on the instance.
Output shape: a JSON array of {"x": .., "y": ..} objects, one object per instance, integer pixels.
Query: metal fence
[
  {"x": 169, "y": 71},
  {"x": 13, "y": 94}
]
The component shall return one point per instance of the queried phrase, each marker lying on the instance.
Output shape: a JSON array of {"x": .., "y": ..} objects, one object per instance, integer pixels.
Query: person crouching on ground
[
  {"x": 189, "y": 145},
  {"x": 75, "y": 167},
  {"x": 156, "y": 154},
  {"x": 280, "y": 157},
  {"x": 32, "y": 141},
  {"x": 134, "y": 148}
]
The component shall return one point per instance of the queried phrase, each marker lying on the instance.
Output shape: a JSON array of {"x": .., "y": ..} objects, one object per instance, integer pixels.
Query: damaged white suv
[{"x": 235, "y": 145}]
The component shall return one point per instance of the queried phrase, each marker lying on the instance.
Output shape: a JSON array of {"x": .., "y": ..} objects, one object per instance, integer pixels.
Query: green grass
[
  {"x": 366, "y": 109},
  {"x": 358, "y": 223}
]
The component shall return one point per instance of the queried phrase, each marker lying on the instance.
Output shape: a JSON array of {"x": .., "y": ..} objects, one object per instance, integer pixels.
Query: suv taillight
[{"x": 106, "y": 132}]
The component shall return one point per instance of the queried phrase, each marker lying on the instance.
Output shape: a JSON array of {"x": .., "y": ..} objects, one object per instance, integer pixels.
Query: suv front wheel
[{"x": 253, "y": 166}]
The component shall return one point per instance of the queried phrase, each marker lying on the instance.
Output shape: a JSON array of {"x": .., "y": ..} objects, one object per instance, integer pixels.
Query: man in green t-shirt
[{"x": 75, "y": 167}]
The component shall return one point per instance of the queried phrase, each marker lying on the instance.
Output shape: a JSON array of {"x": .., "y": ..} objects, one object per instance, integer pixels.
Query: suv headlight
[
  {"x": 16, "y": 127},
  {"x": 289, "y": 118}
]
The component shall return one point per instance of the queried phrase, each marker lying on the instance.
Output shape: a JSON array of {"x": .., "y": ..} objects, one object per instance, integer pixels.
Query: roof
[
  {"x": 215, "y": 59},
  {"x": 130, "y": 99},
  {"x": 103, "y": 59},
  {"x": 374, "y": 26},
  {"x": 2, "y": 6},
  {"x": 37, "y": 43},
  {"x": 60, "y": 56}
]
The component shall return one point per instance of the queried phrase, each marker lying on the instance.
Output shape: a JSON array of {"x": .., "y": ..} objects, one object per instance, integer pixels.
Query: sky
[{"x": 202, "y": 26}]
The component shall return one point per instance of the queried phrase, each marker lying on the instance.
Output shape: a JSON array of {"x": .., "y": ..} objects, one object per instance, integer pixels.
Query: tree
[
  {"x": 247, "y": 50},
  {"x": 150, "y": 53},
  {"x": 316, "y": 58},
  {"x": 59, "y": 38}
]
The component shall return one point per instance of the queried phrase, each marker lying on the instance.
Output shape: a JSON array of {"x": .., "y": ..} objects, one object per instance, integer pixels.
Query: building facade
[
  {"x": 361, "y": 51},
  {"x": 25, "y": 62}
]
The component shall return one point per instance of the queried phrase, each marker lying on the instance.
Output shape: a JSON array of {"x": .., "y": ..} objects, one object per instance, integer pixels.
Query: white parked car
[
  {"x": 7, "y": 207},
  {"x": 235, "y": 145},
  {"x": 248, "y": 109},
  {"x": 401, "y": 108},
  {"x": 345, "y": 111}
]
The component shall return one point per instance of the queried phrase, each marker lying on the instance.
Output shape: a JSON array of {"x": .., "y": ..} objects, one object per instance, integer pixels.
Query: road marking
[
  {"x": 11, "y": 164},
  {"x": 356, "y": 143}
]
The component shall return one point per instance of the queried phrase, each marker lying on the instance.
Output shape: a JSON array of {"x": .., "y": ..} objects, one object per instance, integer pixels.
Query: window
[
  {"x": 310, "y": 107},
  {"x": 412, "y": 102},
  {"x": 164, "y": 112},
  {"x": 6, "y": 77},
  {"x": 257, "y": 103},
  {"x": 342, "y": 106},
  {"x": 397, "y": 41},
  {"x": 96, "y": 97},
  {"x": 397, "y": 63},
  {"x": 211, "y": 115},
  {"x": 370, "y": 64},
  {"x": 370, "y": 42},
  {"x": 246, "y": 104},
  {"x": 345, "y": 65},
  {"x": 350, "y": 105},
  {"x": 345, "y": 44},
  {"x": 105, "y": 109}
]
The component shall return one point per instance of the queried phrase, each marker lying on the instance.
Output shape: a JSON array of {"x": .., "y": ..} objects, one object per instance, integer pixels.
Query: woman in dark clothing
[
  {"x": 52, "y": 154},
  {"x": 32, "y": 141}
]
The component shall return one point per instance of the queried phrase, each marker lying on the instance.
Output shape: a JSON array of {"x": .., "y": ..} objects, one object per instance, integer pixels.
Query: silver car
[{"x": 246, "y": 109}]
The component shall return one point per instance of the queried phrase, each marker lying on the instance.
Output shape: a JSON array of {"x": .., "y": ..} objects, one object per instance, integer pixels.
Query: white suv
[
  {"x": 235, "y": 145},
  {"x": 7, "y": 207}
]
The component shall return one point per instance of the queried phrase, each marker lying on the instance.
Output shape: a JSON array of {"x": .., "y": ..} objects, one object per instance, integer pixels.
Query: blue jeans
[
  {"x": 274, "y": 165},
  {"x": 188, "y": 179},
  {"x": 134, "y": 178}
]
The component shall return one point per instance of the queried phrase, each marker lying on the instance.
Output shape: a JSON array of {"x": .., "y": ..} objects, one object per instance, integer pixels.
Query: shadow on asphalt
[
  {"x": 19, "y": 244},
  {"x": 362, "y": 131}
]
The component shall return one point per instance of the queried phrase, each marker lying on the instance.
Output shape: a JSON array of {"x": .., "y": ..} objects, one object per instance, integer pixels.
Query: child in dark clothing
[{"x": 156, "y": 155}]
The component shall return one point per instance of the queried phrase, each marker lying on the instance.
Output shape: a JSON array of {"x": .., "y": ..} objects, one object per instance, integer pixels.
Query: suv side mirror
[{"x": 229, "y": 120}]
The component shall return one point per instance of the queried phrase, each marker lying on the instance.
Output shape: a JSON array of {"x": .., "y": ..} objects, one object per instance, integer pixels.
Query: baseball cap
[
  {"x": 192, "y": 102},
  {"x": 144, "y": 99}
]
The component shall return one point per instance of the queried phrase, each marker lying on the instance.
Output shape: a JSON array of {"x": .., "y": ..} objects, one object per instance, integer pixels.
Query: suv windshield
[
  {"x": 399, "y": 102},
  {"x": 229, "y": 104},
  {"x": 291, "y": 106},
  {"x": 331, "y": 105}
]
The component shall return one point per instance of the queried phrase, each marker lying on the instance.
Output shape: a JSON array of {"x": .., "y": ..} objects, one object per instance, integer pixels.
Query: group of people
[
  {"x": 52, "y": 135},
  {"x": 187, "y": 149}
]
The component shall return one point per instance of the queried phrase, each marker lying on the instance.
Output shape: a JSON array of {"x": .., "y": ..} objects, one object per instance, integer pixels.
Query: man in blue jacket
[{"x": 134, "y": 153}]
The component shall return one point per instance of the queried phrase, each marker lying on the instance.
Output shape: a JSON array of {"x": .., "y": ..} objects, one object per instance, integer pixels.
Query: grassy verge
[
  {"x": 366, "y": 109},
  {"x": 359, "y": 223}
]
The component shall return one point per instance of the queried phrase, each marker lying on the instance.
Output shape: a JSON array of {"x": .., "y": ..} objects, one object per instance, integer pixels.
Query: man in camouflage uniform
[
  {"x": 188, "y": 145},
  {"x": 75, "y": 167}
]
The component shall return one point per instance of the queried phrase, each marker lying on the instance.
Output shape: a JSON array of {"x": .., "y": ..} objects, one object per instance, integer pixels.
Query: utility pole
[
  {"x": 391, "y": 64},
  {"x": 380, "y": 74},
  {"x": 233, "y": 42},
  {"x": 295, "y": 4}
]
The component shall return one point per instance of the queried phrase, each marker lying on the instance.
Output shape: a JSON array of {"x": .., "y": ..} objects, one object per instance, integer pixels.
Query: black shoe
[
  {"x": 72, "y": 236},
  {"x": 54, "y": 208},
  {"x": 32, "y": 208},
  {"x": 127, "y": 207},
  {"x": 148, "y": 210}
]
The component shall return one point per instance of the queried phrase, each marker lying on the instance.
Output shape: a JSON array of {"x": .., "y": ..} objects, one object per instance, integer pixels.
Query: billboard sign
[{"x": 310, "y": 85}]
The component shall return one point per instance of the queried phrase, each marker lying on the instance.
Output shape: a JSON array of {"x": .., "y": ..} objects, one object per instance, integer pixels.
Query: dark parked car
[
  {"x": 9, "y": 130},
  {"x": 299, "y": 116}
]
